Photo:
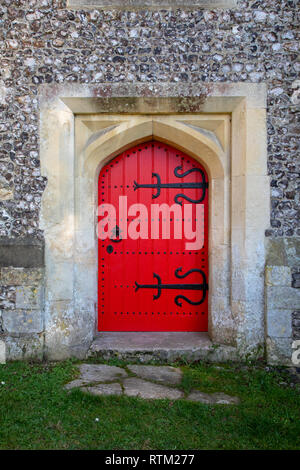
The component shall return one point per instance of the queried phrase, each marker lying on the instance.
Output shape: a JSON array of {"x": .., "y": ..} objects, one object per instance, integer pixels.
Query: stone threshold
[{"x": 160, "y": 347}]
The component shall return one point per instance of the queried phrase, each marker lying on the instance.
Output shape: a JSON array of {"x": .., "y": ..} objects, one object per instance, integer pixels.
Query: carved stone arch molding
[{"x": 223, "y": 127}]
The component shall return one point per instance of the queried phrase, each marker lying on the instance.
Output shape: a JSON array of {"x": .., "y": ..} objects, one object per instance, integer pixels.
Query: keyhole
[{"x": 109, "y": 249}]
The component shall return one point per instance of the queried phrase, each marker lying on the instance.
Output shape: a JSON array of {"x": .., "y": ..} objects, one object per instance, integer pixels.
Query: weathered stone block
[
  {"x": 2, "y": 352},
  {"x": 29, "y": 297},
  {"x": 278, "y": 276},
  {"x": 276, "y": 253},
  {"x": 21, "y": 252},
  {"x": 68, "y": 333},
  {"x": 279, "y": 297},
  {"x": 24, "y": 347},
  {"x": 22, "y": 321},
  {"x": 279, "y": 323},
  {"x": 292, "y": 247},
  {"x": 7, "y": 297},
  {"x": 21, "y": 276},
  {"x": 279, "y": 350},
  {"x": 283, "y": 252}
]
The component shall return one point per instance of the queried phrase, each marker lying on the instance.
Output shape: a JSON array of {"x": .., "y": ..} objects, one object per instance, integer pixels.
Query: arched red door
[{"x": 149, "y": 278}]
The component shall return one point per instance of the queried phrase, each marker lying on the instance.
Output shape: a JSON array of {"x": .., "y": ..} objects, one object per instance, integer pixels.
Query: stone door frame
[{"x": 221, "y": 125}]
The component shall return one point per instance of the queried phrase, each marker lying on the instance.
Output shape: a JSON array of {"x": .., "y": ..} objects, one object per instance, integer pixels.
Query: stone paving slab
[
  {"x": 212, "y": 398},
  {"x": 101, "y": 373},
  {"x": 162, "y": 374},
  {"x": 74, "y": 384},
  {"x": 141, "y": 388},
  {"x": 104, "y": 389},
  {"x": 91, "y": 376}
]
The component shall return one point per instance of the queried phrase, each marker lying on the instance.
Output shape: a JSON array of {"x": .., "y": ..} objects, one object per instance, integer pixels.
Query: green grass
[{"x": 37, "y": 413}]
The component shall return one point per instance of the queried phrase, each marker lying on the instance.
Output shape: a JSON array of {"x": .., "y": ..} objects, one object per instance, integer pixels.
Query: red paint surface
[{"x": 120, "y": 307}]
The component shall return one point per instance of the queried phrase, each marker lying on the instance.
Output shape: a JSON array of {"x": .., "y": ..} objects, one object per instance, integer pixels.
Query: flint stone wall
[{"x": 48, "y": 41}]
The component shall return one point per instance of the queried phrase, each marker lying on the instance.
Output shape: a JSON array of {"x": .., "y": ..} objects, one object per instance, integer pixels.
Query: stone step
[{"x": 160, "y": 347}]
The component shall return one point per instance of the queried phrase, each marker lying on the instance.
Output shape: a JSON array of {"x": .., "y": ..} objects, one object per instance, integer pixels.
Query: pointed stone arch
[{"x": 75, "y": 146}]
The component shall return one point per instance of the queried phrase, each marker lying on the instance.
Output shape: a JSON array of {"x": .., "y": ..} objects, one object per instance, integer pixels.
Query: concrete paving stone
[
  {"x": 134, "y": 387},
  {"x": 163, "y": 374},
  {"x": 104, "y": 389},
  {"x": 212, "y": 398},
  {"x": 100, "y": 373}
]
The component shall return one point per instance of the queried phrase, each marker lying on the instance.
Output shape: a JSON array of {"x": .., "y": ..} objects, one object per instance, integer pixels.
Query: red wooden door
[{"x": 152, "y": 284}]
